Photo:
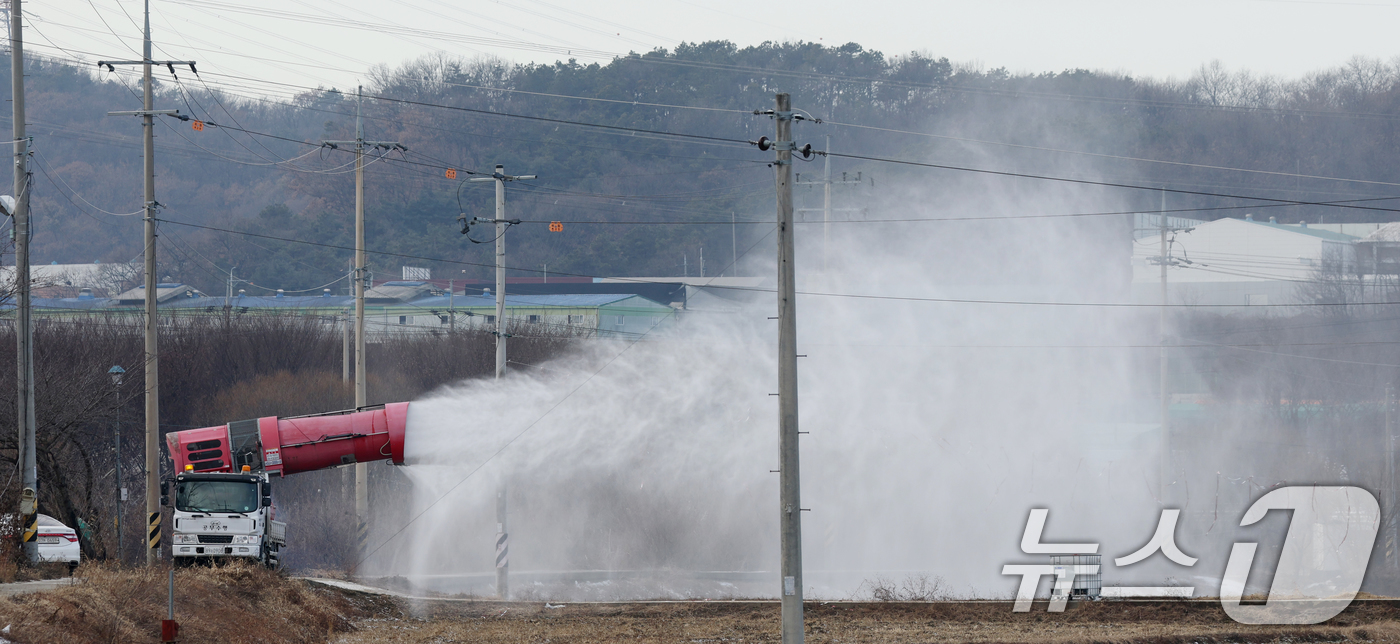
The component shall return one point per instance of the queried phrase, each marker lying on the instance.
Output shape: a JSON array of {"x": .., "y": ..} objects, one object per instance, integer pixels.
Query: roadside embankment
[{"x": 234, "y": 603}]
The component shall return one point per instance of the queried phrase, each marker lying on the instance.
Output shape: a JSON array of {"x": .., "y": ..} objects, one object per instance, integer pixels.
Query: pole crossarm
[
  {"x": 145, "y": 113},
  {"x": 168, "y": 63},
  {"x": 386, "y": 145}
]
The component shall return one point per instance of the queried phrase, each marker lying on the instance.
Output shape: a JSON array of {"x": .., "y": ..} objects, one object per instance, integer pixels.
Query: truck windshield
[{"x": 217, "y": 496}]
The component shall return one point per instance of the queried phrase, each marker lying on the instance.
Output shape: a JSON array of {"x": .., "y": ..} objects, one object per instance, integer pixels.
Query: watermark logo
[
  {"x": 1320, "y": 569},
  {"x": 1323, "y": 560}
]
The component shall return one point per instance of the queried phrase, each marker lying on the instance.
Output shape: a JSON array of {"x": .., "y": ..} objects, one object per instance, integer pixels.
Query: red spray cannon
[{"x": 290, "y": 445}]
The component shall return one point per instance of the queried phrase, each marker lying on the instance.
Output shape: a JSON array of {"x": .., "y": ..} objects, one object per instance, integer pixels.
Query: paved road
[{"x": 22, "y": 587}]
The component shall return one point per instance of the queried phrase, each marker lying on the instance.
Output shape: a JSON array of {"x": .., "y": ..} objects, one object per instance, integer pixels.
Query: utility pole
[
  {"x": 789, "y": 501},
  {"x": 1392, "y": 558},
  {"x": 826, "y": 208},
  {"x": 451, "y": 308},
  {"x": 24, "y": 332},
  {"x": 500, "y": 177},
  {"x": 502, "y": 545},
  {"x": 117, "y": 374},
  {"x": 734, "y": 243},
  {"x": 361, "y": 272},
  {"x": 148, "y": 125},
  {"x": 1163, "y": 260},
  {"x": 345, "y": 346},
  {"x": 345, "y": 328}
]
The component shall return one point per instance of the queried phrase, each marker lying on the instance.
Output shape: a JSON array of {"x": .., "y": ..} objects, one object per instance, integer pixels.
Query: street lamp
[{"x": 116, "y": 373}]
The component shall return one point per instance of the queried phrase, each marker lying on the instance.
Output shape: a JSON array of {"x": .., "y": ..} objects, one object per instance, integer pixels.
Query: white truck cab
[{"x": 223, "y": 515}]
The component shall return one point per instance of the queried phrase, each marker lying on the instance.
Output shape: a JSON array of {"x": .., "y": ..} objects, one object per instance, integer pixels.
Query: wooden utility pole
[
  {"x": 24, "y": 328},
  {"x": 360, "y": 277},
  {"x": 148, "y": 124}
]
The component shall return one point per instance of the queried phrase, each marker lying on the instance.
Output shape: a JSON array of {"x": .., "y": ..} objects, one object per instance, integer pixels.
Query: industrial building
[
  {"x": 1247, "y": 263},
  {"x": 395, "y": 307}
]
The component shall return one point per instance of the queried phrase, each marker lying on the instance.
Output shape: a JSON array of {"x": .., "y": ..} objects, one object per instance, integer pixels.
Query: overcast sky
[{"x": 318, "y": 42}]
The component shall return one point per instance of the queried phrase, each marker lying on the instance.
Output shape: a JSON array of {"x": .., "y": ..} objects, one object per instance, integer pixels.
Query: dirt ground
[
  {"x": 856, "y": 622},
  {"x": 239, "y": 603}
]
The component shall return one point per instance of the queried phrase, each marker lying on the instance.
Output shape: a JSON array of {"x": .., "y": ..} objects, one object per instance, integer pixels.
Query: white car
[{"x": 57, "y": 542}]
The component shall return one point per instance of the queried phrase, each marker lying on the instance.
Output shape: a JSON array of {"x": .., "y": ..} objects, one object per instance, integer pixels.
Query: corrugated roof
[
  {"x": 342, "y": 301},
  {"x": 1314, "y": 232},
  {"x": 86, "y": 303},
  {"x": 164, "y": 293},
  {"x": 575, "y": 300},
  {"x": 1387, "y": 233},
  {"x": 265, "y": 302},
  {"x": 400, "y": 291}
]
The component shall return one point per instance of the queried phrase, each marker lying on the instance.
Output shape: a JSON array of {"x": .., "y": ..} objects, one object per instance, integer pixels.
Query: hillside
[{"x": 257, "y": 166}]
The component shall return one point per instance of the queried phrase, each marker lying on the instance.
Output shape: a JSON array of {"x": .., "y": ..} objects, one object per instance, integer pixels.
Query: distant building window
[
  {"x": 621, "y": 320},
  {"x": 533, "y": 319},
  {"x": 575, "y": 319},
  {"x": 443, "y": 319},
  {"x": 403, "y": 319},
  {"x": 490, "y": 319}
]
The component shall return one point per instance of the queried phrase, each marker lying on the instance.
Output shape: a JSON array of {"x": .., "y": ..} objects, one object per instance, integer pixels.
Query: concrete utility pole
[
  {"x": 502, "y": 545},
  {"x": 24, "y": 331},
  {"x": 500, "y": 177},
  {"x": 1391, "y": 559},
  {"x": 790, "y": 501},
  {"x": 361, "y": 273},
  {"x": 1163, "y": 260},
  {"x": 733, "y": 243},
  {"x": 345, "y": 346},
  {"x": 117, "y": 373},
  {"x": 826, "y": 208},
  {"x": 148, "y": 125}
]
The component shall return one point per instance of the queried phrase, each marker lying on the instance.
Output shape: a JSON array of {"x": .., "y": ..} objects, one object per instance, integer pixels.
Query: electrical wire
[{"x": 1107, "y": 184}]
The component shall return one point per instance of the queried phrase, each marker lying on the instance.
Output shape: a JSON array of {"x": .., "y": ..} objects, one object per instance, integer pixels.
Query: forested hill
[{"x": 257, "y": 166}]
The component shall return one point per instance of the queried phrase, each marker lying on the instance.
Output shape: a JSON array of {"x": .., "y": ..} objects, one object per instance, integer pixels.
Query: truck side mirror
[
  {"x": 164, "y": 488},
  {"x": 164, "y": 500},
  {"x": 267, "y": 502}
]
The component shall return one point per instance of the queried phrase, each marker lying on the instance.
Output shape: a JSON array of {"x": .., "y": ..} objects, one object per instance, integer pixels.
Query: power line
[
  {"x": 1107, "y": 184},
  {"x": 1114, "y": 157}
]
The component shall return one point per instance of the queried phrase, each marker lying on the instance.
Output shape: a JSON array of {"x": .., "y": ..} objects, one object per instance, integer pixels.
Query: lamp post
[{"x": 116, "y": 373}]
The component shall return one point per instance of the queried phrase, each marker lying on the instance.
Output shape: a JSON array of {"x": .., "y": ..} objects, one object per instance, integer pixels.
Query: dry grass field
[
  {"x": 239, "y": 604},
  {"x": 859, "y": 622}
]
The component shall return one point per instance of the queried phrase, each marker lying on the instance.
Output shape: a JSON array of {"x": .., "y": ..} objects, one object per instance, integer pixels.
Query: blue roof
[
  {"x": 65, "y": 303},
  {"x": 486, "y": 301},
  {"x": 345, "y": 301},
  {"x": 1313, "y": 232},
  {"x": 263, "y": 302}
]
